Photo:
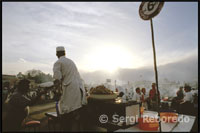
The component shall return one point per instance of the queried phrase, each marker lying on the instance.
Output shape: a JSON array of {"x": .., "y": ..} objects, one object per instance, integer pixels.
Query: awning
[{"x": 46, "y": 84}]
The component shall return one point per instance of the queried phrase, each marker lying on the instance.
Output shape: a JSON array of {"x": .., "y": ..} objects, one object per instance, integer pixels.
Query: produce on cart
[{"x": 102, "y": 93}]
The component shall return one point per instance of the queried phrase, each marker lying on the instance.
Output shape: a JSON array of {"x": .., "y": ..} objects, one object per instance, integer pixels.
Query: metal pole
[
  {"x": 156, "y": 73},
  {"x": 115, "y": 85}
]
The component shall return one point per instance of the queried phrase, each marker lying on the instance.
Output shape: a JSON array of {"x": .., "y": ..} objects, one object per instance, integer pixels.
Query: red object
[
  {"x": 152, "y": 93},
  {"x": 165, "y": 99},
  {"x": 168, "y": 117},
  {"x": 32, "y": 123},
  {"x": 148, "y": 124}
]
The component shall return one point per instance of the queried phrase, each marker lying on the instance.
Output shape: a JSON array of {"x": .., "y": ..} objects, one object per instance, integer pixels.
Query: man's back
[
  {"x": 188, "y": 97},
  {"x": 180, "y": 94},
  {"x": 65, "y": 70},
  {"x": 68, "y": 70}
]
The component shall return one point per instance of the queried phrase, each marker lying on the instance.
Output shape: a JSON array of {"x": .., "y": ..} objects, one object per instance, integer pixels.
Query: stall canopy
[{"x": 46, "y": 84}]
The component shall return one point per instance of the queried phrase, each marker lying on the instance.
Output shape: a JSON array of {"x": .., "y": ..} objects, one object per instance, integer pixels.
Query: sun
[{"x": 108, "y": 58}]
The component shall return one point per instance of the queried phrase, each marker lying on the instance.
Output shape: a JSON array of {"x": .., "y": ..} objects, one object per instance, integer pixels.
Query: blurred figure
[
  {"x": 180, "y": 93},
  {"x": 179, "y": 98},
  {"x": 188, "y": 95},
  {"x": 87, "y": 92},
  {"x": 153, "y": 97},
  {"x": 144, "y": 98},
  {"x": 137, "y": 96},
  {"x": 121, "y": 94},
  {"x": 127, "y": 95},
  {"x": 17, "y": 108},
  {"x": 186, "y": 104},
  {"x": 4, "y": 94}
]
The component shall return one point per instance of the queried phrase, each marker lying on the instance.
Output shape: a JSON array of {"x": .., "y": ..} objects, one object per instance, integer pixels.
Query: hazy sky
[{"x": 96, "y": 35}]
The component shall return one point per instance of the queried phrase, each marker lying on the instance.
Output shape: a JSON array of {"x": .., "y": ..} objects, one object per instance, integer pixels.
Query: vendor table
[
  {"x": 96, "y": 108},
  {"x": 184, "y": 126},
  {"x": 53, "y": 120},
  {"x": 166, "y": 127}
]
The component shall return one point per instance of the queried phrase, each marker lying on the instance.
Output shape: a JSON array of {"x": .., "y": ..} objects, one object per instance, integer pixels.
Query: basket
[{"x": 148, "y": 124}]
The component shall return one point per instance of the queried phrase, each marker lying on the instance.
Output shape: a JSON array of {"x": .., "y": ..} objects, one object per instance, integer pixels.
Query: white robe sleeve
[{"x": 57, "y": 71}]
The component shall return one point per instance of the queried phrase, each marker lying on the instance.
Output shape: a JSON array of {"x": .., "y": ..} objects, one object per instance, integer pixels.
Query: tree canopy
[{"x": 36, "y": 75}]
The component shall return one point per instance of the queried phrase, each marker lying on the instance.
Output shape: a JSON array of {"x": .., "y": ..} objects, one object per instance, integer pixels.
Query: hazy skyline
[{"x": 96, "y": 35}]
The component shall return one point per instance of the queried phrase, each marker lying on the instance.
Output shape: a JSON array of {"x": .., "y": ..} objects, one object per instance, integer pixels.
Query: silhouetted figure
[
  {"x": 180, "y": 94},
  {"x": 17, "y": 107},
  {"x": 186, "y": 106},
  {"x": 153, "y": 97},
  {"x": 121, "y": 94},
  {"x": 176, "y": 100}
]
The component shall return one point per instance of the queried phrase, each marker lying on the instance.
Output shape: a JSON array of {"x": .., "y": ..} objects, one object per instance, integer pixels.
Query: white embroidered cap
[{"x": 60, "y": 48}]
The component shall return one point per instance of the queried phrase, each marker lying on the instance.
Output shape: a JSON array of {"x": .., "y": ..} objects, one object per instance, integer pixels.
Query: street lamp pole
[{"x": 156, "y": 72}]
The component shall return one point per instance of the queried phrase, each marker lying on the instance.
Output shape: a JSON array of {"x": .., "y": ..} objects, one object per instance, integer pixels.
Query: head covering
[
  {"x": 60, "y": 48},
  {"x": 23, "y": 81},
  {"x": 153, "y": 83},
  {"x": 22, "y": 85},
  {"x": 187, "y": 87}
]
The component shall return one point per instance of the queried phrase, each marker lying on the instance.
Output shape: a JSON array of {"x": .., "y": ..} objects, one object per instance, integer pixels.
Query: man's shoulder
[
  {"x": 64, "y": 59},
  {"x": 190, "y": 93}
]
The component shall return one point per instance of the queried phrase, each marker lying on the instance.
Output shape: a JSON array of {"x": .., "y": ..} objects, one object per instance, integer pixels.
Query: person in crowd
[
  {"x": 87, "y": 92},
  {"x": 116, "y": 90},
  {"x": 144, "y": 98},
  {"x": 180, "y": 93},
  {"x": 17, "y": 107},
  {"x": 73, "y": 95},
  {"x": 176, "y": 100},
  {"x": 4, "y": 94},
  {"x": 188, "y": 95},
  {"x": 126, "y": 95},
  {"x": 186, "y": 104},
  {"x": 137, "y": 96},
  {"x": 121, "y": 94},
  {"x": 153, "y": 97}
]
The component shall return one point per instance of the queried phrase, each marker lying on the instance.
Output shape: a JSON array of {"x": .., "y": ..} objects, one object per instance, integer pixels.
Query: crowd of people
[
  {"x": 185, "y": 99},
  {"x": 148, "y": 101}
]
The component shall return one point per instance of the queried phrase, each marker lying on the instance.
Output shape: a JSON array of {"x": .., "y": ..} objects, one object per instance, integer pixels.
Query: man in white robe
[{"x": 73, "y": 97}]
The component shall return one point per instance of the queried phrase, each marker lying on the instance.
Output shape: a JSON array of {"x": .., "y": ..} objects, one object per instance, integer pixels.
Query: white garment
[
  {"x": 84, "y": 98},
  {"x": 137, "y": 97},
  {"x": 145, "y": 96},
  {"x": 188, "y": 97},
  {"x": 65, "y": 70},
  {"x": 144, "y": 104}
]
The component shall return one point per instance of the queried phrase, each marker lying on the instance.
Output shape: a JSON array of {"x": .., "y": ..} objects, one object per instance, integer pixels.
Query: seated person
[
  {"x": 180, "y": 94},
  {"x": 18, "y": 107},
  {"x": 179, "y": 98},
  {"x": 186, "y": 103}
]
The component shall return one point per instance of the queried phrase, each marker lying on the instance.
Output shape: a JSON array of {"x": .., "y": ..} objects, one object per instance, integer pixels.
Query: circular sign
[{"x": 149, "y": 10}]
